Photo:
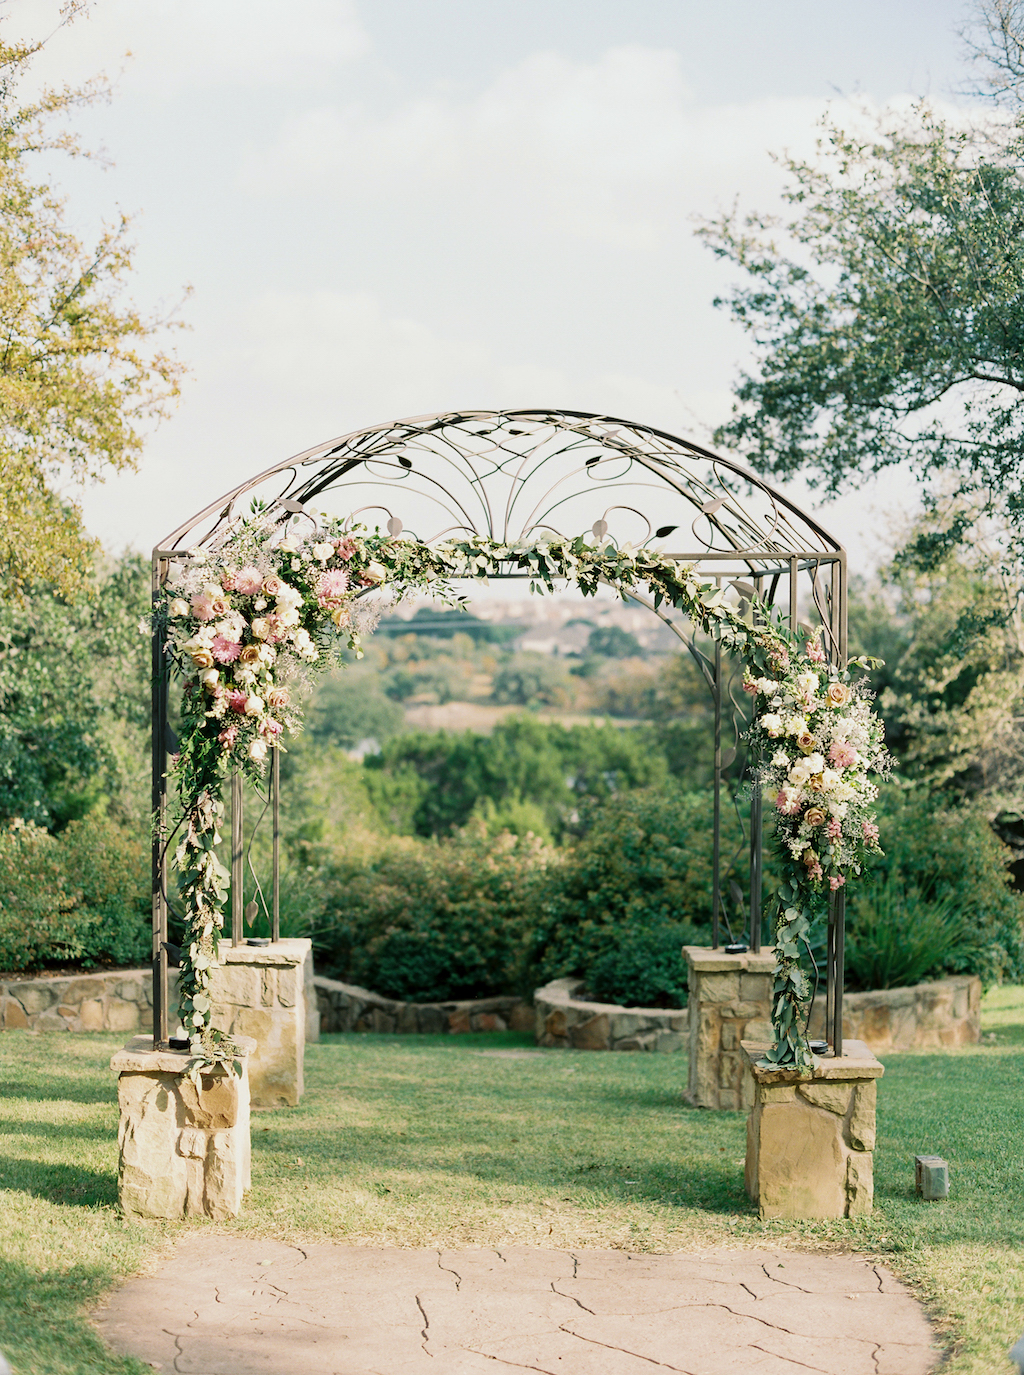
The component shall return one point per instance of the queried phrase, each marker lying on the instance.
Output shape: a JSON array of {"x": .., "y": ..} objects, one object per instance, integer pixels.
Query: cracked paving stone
[{"x": 226, "y": 1305}]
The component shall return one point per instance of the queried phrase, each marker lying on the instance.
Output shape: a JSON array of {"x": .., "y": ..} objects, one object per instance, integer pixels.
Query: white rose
[
  {"x": 254, "y": 705},
  {"x": 323, "y": 551},
  {"x": 830, "y": 779},
  {"x": 800, "y": 772},
  {"x": 209, "y": 678},
  {"x": 259, "y": 628},
  {"x": 376, "y": 572},
  {"x": 177, "y": 606},
  {"x": 815, "y": 763},
  {"x": 289, "y": 616},
  {"x": 258, "y": 749}
]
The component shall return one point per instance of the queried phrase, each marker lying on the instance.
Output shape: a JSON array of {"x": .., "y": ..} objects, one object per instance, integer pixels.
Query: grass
[{"x": 428, "y": 1141}]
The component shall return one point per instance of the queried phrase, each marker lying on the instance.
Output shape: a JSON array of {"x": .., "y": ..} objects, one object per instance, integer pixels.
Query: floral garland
[{"x": 249, "y": 626}]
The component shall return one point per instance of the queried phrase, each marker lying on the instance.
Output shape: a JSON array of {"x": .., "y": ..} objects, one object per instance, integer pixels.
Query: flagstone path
[{"x": 233, "y": 1306}]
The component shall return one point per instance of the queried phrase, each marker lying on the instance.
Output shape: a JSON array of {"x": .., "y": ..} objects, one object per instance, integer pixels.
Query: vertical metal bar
[
  {"x": 275, "y": 783},
  {"x": 794, "y": 593},
  {"x": 830, "y": 982},
  {"x": 159, "y": 812},
  {"x": 755, "y": 827},
  {"x": 237, "y": 857},
  {"x": 840, "y": 979},
  {"x": 716, "y": 848},
  {"x": 755, "y": 869}
]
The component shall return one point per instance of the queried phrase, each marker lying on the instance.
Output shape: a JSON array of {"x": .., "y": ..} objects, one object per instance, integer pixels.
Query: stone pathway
[{"x": 232, "y": 1306}]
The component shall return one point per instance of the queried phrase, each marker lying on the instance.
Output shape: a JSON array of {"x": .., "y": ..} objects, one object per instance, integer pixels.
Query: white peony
[
  {"x": 772, "y": 724},
  {"x": 780, "y": 759}
]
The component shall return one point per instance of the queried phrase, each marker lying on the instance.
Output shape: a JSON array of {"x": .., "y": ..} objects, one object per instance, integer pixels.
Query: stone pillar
[
  {"x": 184, "y": 1150},
  {"x": 729, "y": 1001},
  {"x": 810, "y": 1140},
  {"x": 259, "y": 991}
]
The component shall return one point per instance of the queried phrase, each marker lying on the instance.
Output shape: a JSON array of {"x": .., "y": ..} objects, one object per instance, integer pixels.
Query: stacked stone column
[
  {"x": 729, "y": 1001},
  {"x": 811, "y": 1137},
  {"x": 184, "y": 1146}
]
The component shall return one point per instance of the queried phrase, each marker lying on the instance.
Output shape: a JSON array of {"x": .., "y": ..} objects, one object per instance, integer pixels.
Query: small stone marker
[
  {"x": 1017, "y": 1354},
  {"x": 931, "y": 1176}
]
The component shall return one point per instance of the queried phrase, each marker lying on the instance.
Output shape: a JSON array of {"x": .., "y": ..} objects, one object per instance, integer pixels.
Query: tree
[
  {"x": 890, "y": 329},
  {"x": 78, "y": 374}
]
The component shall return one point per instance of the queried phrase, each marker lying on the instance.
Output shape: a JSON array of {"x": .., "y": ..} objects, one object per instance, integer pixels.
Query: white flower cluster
[{"x": 820, "y": 740}]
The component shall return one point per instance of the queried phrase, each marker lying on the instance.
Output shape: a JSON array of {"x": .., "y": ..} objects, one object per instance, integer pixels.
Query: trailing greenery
[{"x": 80, "y": 896}]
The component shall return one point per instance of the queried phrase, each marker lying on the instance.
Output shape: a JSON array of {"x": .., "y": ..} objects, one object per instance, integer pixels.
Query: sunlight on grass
[{"x": 429, "y": 1141}]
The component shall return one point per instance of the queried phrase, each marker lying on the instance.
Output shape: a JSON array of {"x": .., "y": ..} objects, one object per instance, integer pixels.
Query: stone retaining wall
[
  {"x": 121, "y": 1000},
  {"x": 944, "y": 1013},
  {"x": 346, "y": 1007},
  {"x": 567, "y": 1022}
]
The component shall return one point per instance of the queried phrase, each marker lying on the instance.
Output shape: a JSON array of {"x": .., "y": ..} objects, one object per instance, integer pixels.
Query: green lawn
[{"x": 429, "y": 1141}]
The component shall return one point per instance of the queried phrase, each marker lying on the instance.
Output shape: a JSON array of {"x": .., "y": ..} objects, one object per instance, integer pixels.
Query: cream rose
[
  {"x": 838, "y": 694},
  {"x": 323, "y": 551},
  {"x": 250, "y": 654},
  {"x": 209, "y": 678},
  {"x": 814, "y": 816},
  {"x": 254, "y": 705},
  {"x": 177, "y": 606},
  {"x": 258, "y": 749},
  {"x": 202, "y": 658},
  {"x": 277, "y": 698}
]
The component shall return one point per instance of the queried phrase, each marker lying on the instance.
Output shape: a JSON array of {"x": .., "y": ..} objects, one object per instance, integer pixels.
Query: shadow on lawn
[
  {"x": 58, "y": 1131},
  {"x": 56, "y": 1088},
  {"x": 710, "y": 1184},
  {"x": 41, "y": 1323},
  {"x": 67, "y": 1184}
]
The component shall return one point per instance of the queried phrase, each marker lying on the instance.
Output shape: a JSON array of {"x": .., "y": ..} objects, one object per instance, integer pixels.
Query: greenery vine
[{"x": 251, "y": 625}]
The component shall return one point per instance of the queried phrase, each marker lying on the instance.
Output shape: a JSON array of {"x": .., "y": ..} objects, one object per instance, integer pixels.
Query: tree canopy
[
  {"x": 890, "y": 328},
  {"x": 80, "y": 376}
]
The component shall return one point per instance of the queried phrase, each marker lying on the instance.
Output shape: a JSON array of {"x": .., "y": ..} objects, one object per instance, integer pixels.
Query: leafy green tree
[
  {"x": 74, "y": 700},
  {"x": 532, "y": 680},
  {"x": 79, "y": 377},
  {"x": 350, "y": 707},
  {"x": 613, "y": 642},
  {"x": 886, "y": 314}
]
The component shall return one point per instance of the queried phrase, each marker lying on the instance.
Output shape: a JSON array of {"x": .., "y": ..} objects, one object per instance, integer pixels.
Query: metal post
[
  {"x": 237, "y": 857},
  {"x": 794, "y": 593},
  {"x": 159, "y": 813},
  {"x": 830, "y": 982},
  {"x": 840, "y": 976},
  {"x": 755, "y": 828},
  {"x": 275, "y": 783},
  {"x": 716, "y": 850}
]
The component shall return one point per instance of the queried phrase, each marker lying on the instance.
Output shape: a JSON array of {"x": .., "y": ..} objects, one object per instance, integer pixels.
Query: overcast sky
[{"x": 391, "y": 207}]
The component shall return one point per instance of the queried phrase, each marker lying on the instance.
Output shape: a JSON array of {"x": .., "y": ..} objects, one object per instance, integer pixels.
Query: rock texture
[
  {"x": 570, "y": 1023},
  {"x": 183, "y": 1148},
  {"x": 260, "y": 992},
  {"x": 944, "y": 1013},
  {"x": 226, "y": 1305},
  {"x": 346, "y": 1007},
  {"x": 810, "y": 1141},
  {"x": 729, "y": 1002}
]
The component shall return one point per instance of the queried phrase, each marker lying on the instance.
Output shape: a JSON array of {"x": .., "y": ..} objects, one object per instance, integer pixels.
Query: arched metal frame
[{"x": 512, "y": 476}]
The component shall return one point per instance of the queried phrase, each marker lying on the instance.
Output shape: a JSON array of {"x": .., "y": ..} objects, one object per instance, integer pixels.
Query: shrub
[
  {"x": 645, "y": 968},
  {"x": 430, "y": 921},
  {"x": 637, "y": 883},
  {"x": 939, "y": 852},
  {"x": 78, "y": 897},
  {"x": 897, "y": 937}
]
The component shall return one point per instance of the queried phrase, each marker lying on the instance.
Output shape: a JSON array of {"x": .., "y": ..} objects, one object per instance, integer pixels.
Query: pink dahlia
[
  {"x": 203, "y": 607},
  {"x": 788, "y": 801},
  {"x": 237, "y": 701},
  {"x": 844, "y": 756},
  {"x": 331, "y": 587},
  {"x": 225, "y": 651},
  {"x": 248, "y": 581}
]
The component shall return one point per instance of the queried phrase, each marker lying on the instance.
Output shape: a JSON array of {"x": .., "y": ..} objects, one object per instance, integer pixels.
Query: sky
[{"x": 387, "y": 208}]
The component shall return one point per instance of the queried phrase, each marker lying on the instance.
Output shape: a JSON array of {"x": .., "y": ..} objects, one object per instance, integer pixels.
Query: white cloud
[{"x": 184, "y": 44}]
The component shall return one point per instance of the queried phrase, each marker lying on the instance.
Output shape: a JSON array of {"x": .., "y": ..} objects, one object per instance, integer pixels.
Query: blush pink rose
[{"x": 248, "y": 581}]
